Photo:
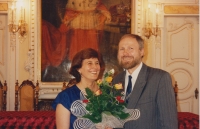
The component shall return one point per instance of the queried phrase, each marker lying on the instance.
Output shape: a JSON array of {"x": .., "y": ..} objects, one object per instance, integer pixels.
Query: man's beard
[{"x": 129, "y": 64}]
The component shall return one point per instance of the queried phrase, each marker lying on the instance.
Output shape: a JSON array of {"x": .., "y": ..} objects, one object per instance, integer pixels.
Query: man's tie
[{"x": 129, "y": 87}]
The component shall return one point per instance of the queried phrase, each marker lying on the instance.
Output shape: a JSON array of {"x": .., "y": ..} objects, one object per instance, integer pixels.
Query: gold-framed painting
[{"x": 67, "y": 26}]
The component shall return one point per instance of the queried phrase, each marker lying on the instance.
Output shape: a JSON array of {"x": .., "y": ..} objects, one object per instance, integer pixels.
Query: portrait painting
[{"x": 69, "y": 26}]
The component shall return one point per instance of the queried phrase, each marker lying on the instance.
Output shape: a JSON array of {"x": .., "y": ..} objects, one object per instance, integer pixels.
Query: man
[{"x": 151, "y": 90}]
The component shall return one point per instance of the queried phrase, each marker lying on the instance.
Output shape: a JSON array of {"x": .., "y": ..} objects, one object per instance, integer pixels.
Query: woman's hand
[{"x": 108, "y": 128}]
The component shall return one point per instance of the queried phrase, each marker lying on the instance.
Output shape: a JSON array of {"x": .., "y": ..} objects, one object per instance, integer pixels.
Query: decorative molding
[
  {"x": 28, "y": 64},
  {"x": 3, "y": 6},
  {"x": 139, "y": 17},
  {"x": 158, "y": 42},
  {"x": 181, "y": 9},
  {"x": 33, "y": 30},
  {"x": 47, "y": 90},
  {"x": 13, "y": 41},
  {"x": 49, "y": 93}
]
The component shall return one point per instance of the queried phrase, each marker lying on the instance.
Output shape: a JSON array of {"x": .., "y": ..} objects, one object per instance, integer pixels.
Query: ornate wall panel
[
  {"x": 180, "y": 38},
  {"x": 2, "y": 47},
  {"x": 7, "y": 62}
]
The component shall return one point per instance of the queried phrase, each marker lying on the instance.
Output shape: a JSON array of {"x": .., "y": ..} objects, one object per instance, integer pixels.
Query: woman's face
[{"x": 90, "y": 69}]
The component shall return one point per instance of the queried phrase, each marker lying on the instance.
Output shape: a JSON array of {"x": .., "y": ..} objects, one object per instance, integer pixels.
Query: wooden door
[{"x": 181, "y": 58}]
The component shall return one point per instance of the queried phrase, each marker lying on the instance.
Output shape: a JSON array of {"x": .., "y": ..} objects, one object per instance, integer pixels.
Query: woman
[{"x": 86, "y": 66}]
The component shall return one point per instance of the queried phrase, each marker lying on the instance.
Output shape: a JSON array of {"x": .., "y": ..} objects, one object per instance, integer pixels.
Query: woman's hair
[
  {"x": 137, "y": 37},
  {"x": 78, "y": 60}
]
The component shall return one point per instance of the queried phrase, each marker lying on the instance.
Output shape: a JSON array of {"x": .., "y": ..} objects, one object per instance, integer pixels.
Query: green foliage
[{"x": 105, "y": 101}]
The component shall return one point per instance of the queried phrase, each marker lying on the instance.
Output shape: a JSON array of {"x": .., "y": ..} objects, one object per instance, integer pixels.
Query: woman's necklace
[{"x": 93, "y": 87}]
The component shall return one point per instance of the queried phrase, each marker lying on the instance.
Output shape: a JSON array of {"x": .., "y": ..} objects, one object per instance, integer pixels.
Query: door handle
[{"x": 196, "y": 92}]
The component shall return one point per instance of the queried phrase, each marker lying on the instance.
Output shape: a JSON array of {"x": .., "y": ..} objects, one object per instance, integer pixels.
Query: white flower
[{"x": 112, "y": 71}]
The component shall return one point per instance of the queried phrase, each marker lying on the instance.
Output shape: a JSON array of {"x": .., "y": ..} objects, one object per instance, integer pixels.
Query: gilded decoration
[
  {"x": 3, "y": 6},
  {"x": 181, "y": 9}
]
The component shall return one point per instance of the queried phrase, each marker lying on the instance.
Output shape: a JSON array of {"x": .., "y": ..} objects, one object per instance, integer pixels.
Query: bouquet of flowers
[{"x": 104, "y": 107}]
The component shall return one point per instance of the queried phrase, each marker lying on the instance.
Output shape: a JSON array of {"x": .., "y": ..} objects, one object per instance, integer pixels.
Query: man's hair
[{"x": 137, "y": 37}]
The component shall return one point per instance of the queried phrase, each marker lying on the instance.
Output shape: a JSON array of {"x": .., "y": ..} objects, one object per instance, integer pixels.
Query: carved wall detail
[
  {"x": 49, "y": 92},
  {"x": 3, "y": 6},
  {"x": 158, "y": 42},
  {"x": 184, "y": 45},
  {"x": 184, "y": 79},
  {"x": 13, "y": 41},
  {"x": 139, "y": 16}
]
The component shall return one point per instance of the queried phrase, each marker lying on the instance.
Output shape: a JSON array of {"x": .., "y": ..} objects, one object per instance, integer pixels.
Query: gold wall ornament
[
  {"x": 21, "y": 27},
  {"x": 181, "y": 9},
  {"x": 149, "y": 30},
  {"x": 3, "y": 6}
]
